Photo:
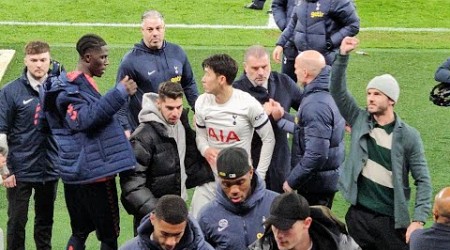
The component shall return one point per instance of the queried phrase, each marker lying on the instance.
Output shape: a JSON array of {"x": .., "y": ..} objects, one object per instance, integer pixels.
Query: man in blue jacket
[
  {"x": 32, "y": 152},
  {"x": 268, "y": 87},
  {"x": 384, "y": 150},
  {"x": 168, "y": 227},
  {"x": 234, "y": 219},
  {"x": 438, "y": 236},
  {"x": 151, "y": 62},
  {"x": 282, "y": 12},
  {"x": 319, "y": 25},
  {"x": 92, "y": 146},
  {"x": 318, "y": 144}
]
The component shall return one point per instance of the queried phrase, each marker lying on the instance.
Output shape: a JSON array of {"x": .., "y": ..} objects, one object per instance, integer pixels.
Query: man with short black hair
[
  {"x": 92, "y": 146},
  {"x": 32, "y": 152},
  {"x": 234, "y": 219},
  {"x": 168, "y": 227},
  {"x": 226, "y": 117}
]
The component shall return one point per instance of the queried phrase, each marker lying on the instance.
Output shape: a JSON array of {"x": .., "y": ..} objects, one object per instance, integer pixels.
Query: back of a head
[
  {"x": 313, "y": 61},
  {"x": 256, "y": 51},
  {"x": 171, "y": 209},
  {"x": 170, "y": 90},
  {"x": 89, "y": 42},
  {"x": 36, "y": 47},
  {"x": 442, "y": 205},
  {"x": 222, "y": 64}
]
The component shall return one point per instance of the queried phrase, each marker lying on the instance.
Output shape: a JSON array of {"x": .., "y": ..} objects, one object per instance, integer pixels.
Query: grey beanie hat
[{"x": 387, "y": 84}]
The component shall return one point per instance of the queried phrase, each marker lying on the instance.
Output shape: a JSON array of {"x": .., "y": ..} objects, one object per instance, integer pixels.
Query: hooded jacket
[
  {"x": 314, "y": 23},
  {"x": 32, "y": 151},
  {"x": 234, "y": 226},
  {"x": 285, "y": 91},
  {"x": 192, "y": 239},
  {"x": 318, "y": 144},
  {"x": 91, "y": 142},
  {"x": 149, "y": 68},
  {"x": 166, "y": 156}
]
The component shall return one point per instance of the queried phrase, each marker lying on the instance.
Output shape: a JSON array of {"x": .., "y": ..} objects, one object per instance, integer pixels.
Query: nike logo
[
  {"x": 151, "y": 72},
  {"x": 25, "y": 102}
]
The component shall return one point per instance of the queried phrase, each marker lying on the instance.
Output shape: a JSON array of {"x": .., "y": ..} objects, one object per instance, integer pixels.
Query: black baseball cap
[
  {"x": 286, "y": 209},
  {"x": 232, "y": 163}
]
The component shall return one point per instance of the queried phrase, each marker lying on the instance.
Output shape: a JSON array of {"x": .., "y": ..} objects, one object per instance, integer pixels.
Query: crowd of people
[{"x": 253, "y": 190}]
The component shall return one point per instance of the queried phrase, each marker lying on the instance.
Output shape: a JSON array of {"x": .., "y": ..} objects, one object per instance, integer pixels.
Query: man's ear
[
  {"x": 152, "y": 217},
  {"x": 307, "y": 222}
]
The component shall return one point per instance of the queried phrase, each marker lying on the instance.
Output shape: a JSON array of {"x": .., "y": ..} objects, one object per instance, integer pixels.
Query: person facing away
[
  {"x": 151, "y": 62},
  {"x": 166, "y": 153},
  {"x": 269, "y": 86},
  {"x": 318, "y": 25},
  {"x": 234, "y": 219},
  {"x": 92, "y": 146},
  {"x": 443, "y": 72},
  {"x": 438, "y": 235},
  {"x": 384, "y": 150},
  {"x": 29, "y": 149},
  {"x": 294, "y": 225},
  {"x": 225, "y": 117},
  {"x": 318, "y": 145},
  {"x": 168, "y": 227}
]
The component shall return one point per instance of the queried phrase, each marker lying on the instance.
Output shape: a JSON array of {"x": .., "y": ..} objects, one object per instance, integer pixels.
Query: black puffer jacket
[{"x": 158, "y": 172}]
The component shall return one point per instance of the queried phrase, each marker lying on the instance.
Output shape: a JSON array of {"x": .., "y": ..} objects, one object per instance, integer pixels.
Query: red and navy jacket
[
  {"x": 32, "y": 151},
  {"x": 91, "y": 142}
]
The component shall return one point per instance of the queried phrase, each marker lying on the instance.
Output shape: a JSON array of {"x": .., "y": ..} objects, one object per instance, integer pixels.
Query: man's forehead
[{"x": 40, "y": 55}]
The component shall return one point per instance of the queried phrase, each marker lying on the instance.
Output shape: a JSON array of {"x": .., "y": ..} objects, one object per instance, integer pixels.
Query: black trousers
[
  {"x": 323, "y": 199},
  {"x": 93, "y": 207},
  {"x": 374, "y": 231},
  {"x": 18, "y": 202}
]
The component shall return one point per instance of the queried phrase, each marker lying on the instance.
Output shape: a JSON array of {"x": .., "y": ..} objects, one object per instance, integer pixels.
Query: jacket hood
[
  {"x": 150, "y": 111},
  {"x": 142, "y": 47},
  {"x": 193, "y": 237},
  {"x": 320, "y": 83},
  {"x": 258, "y": 187}
]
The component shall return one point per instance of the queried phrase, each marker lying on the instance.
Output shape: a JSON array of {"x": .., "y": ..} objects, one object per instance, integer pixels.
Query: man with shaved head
[
  {"x": 438, "y": 236},
  {"x": 318, "y": 145}
]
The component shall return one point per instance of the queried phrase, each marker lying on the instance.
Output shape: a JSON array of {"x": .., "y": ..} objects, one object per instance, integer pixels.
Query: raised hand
[
  {"x": 130, "y": 85},
  {"x": 348, "y": 44}
]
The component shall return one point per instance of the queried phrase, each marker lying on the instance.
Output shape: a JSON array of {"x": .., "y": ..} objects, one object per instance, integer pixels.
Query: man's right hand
[
  {"x": 277, "y": 54},
  {"x": 130, "y": 85},
  {"x": 211, "y": 156},
  {"x": 348, "y": 44}
]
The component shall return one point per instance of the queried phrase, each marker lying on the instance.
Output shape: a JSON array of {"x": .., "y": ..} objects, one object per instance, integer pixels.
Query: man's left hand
[{"x": 412, "y": 227}]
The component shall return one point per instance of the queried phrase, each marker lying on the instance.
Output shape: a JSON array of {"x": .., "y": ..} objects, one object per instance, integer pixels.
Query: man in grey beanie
[{"x": 383, "y": 151}]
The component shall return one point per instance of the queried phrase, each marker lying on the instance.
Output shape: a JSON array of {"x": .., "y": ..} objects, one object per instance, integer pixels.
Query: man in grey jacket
[{"x": 383, "y": 151}]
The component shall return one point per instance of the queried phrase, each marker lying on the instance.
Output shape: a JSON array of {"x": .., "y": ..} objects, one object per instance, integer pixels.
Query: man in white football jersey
[{"x": 227, "y": 117}]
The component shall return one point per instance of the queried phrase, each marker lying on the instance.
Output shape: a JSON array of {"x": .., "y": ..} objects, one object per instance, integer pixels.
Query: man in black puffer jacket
[{"x": 167, "y": 156}]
